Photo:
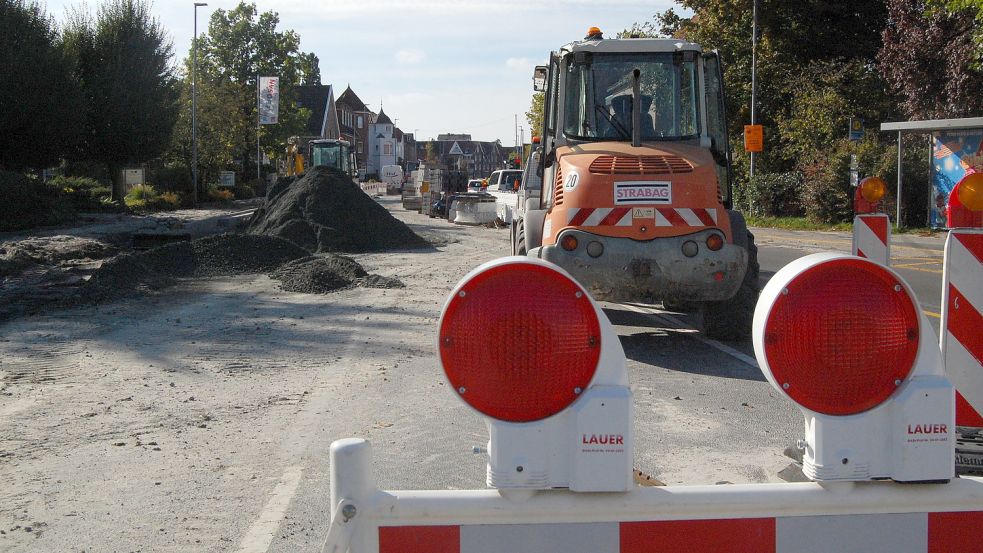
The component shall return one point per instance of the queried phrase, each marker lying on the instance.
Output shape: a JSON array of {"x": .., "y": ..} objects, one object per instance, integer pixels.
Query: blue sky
[{"x": 462, "y": 66}]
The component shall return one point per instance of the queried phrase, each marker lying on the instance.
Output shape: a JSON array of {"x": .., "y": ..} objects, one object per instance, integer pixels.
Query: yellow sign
[
  {"x": 754, "y": 138},
  {"x": 425, "y": 188}
]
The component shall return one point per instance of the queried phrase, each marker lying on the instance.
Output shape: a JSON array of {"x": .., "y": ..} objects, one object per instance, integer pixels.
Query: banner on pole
[{"x": 269, "y": 100}]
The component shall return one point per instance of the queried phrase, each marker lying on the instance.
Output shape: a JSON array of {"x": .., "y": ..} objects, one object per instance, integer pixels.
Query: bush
[
  {"x": 141, "y": 197},
  {"x": 826, "y": 192},
  {"x": 28, "y": 203},
  {"x": 220, "y": 194},
  {"x": 771, "y": 194},
  {"x": 173, "y": 177},
  {"x": 168, "y": 201},
  {"x": 244, "y": 191},
  {"x": 85, "y": 193}
]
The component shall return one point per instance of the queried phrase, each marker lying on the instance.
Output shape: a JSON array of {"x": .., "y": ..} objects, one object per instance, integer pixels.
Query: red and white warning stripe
[
  {"x": 892, "y": 532},
  {"x": 872, "y": 237},
  {"x": 624, "y": 216},
  {"x": 962, "y": 322}
]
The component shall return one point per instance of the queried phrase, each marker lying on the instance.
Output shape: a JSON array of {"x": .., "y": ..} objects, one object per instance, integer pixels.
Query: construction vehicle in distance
[
  {"x": 636, "y": 201},
  {"x": 304, "y": 152},
  {"x": 528, "y": 196}
]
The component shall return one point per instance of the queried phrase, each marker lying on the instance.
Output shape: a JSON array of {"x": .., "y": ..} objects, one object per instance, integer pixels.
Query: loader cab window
[{"x": 599, "y": 96}]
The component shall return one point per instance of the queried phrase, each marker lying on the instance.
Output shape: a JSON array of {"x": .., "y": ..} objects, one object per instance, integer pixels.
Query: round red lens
[
  {"x": 520, "y": 342},
  {"x": 842, "y": 337}
]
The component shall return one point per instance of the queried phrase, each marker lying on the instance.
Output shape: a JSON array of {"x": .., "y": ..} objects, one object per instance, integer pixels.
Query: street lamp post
[{"x": 194, "y": 105}]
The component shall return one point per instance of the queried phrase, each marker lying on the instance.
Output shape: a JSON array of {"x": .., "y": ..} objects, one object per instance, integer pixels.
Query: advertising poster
[
  {"x": 954, "y": 155},
  {"x": 269, "y": 100}
]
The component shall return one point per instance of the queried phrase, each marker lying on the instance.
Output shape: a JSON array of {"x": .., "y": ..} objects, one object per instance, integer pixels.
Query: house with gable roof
[{"x": 319, "y": 99}]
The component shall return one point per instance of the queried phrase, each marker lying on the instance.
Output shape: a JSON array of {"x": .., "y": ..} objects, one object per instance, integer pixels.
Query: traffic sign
[{"x": 754, "y": 138}]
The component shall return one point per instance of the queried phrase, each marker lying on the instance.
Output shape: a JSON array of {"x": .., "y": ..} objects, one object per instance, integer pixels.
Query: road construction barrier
[
  {"x": 961, "y": 336},
  {"x": 872, "y": 237},
  {"x": 872, "y": 517},
  {"x": 840, "y": 336},
  {"x": 373, "y": 188}
]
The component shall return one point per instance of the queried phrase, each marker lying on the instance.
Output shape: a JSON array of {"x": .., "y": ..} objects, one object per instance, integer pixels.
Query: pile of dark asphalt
[
  {"x": 320, "y": 274},
  {"x": 325, "y": 211}
]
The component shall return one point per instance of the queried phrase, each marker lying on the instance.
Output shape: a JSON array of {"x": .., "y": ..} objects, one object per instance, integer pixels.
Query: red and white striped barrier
[
  {"x": 872, "y": 237},
  {"x": 873, "y": 517},
  {"x": 624, "y": 216},
  {"x": 962, "y": 322},
  {"x": 373, "y": 188}
]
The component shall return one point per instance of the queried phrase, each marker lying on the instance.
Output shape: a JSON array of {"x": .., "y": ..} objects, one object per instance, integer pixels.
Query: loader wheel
[
  {"x": 520, "y": 239},
  {"x": 731, "y": 319}
]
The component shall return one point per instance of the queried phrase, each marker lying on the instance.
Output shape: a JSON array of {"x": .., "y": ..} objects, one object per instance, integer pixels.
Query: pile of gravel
[
  {"x": 321, "y": 274},
  {"x": 324, "y": 211},
  {"x": 223, "y": 255}
]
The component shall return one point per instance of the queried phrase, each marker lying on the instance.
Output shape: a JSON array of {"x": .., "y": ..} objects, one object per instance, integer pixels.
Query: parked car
[{"x": 474, "y": 185}]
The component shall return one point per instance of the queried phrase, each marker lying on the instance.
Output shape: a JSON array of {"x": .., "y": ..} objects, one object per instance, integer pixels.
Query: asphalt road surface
[{"x": 200, "y": 419}]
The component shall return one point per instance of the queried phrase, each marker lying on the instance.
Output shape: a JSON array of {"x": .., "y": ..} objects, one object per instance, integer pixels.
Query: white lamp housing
[
  {"x": 587, "y": 446},
  {"x": 909, "y": 437}
]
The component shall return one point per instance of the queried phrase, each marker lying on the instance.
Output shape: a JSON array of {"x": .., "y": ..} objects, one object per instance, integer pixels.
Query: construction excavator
[{"x": 304, "y": 152}]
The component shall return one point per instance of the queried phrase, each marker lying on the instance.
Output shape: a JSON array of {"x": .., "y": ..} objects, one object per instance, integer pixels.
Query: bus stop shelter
[{"x": 956, "y": 149}]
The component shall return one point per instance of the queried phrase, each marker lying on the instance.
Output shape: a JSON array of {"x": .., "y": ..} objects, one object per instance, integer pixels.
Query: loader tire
[
  {"x": 520, "y": 239},
  {"x": 731, "y": 319}
]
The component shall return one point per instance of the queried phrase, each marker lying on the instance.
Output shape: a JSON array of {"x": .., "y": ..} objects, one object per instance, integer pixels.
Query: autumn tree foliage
[{"x": 930, "y": 59}]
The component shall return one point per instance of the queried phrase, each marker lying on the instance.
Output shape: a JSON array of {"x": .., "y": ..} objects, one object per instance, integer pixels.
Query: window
[
  {"x": 387, "y": 149},
  {"x": 359, "y": 121},
  {"x": 358, "y": 145},
  {"x": 599, "y": 97}
]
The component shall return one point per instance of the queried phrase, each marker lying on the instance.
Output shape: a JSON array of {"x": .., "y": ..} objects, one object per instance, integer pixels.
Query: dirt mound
[
  {"x": 324, "y": 211},
  {"x": 322, "y": 274},
  {"x": 227, "y": 254},
  {"x": 51, "y": 250}
]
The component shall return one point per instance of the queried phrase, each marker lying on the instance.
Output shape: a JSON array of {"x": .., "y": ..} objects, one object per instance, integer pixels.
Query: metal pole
[
  {"x": 194, "y": 107},
  {"x": 897, "y": 220},
  {"x": 258, "y": 92},
  {"x": 754, "y": 76}
]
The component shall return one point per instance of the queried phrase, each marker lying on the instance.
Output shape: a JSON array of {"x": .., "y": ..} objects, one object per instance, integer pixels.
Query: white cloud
[
  {"x": 410, "y": 57},
  {"x": 520, "y": 63}
]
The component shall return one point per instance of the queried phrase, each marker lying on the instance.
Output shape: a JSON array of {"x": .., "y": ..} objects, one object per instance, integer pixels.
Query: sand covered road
[{"x": 172, "y": 422}]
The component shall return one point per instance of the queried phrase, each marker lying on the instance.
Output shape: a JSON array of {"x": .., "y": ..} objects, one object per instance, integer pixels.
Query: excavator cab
[{"x": 331, "y": 153}]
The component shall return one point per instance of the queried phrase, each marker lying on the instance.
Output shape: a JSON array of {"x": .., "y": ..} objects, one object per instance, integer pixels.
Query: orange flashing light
[
  {"x": 970, "y": 192},
  {"x": 873, "y": 189}
]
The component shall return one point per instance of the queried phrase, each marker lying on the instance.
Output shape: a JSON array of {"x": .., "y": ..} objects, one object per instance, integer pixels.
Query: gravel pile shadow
[
  {"x": 324, "y": 211},
  {"x": 328, "y": 273}
]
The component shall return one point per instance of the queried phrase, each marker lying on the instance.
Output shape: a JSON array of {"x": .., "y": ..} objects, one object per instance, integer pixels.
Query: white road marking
[
  {"x": 694, "y": 333},
  {"x": 260, "y": 534}
]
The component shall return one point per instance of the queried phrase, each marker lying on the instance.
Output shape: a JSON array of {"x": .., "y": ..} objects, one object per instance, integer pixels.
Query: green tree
[
  {"x": 535, "y": 114},
  {"x": 41, "y": 121},
  {"x": 240, "y": 45},
  {"x": 123, "y": 63}
]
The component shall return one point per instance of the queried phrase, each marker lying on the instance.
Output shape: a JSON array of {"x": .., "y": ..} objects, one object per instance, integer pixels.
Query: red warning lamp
[
  {"x": 524, "y": 359},
  {"x": 842, "y": 337},
  {"x": 965, "y": 209},
  {"x": 868, "y": 195},
  {"x": 868, "y": 333}
]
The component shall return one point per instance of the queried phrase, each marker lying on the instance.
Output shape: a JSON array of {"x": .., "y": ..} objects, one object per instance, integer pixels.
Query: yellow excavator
[{"x": 304, "y": 152}]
